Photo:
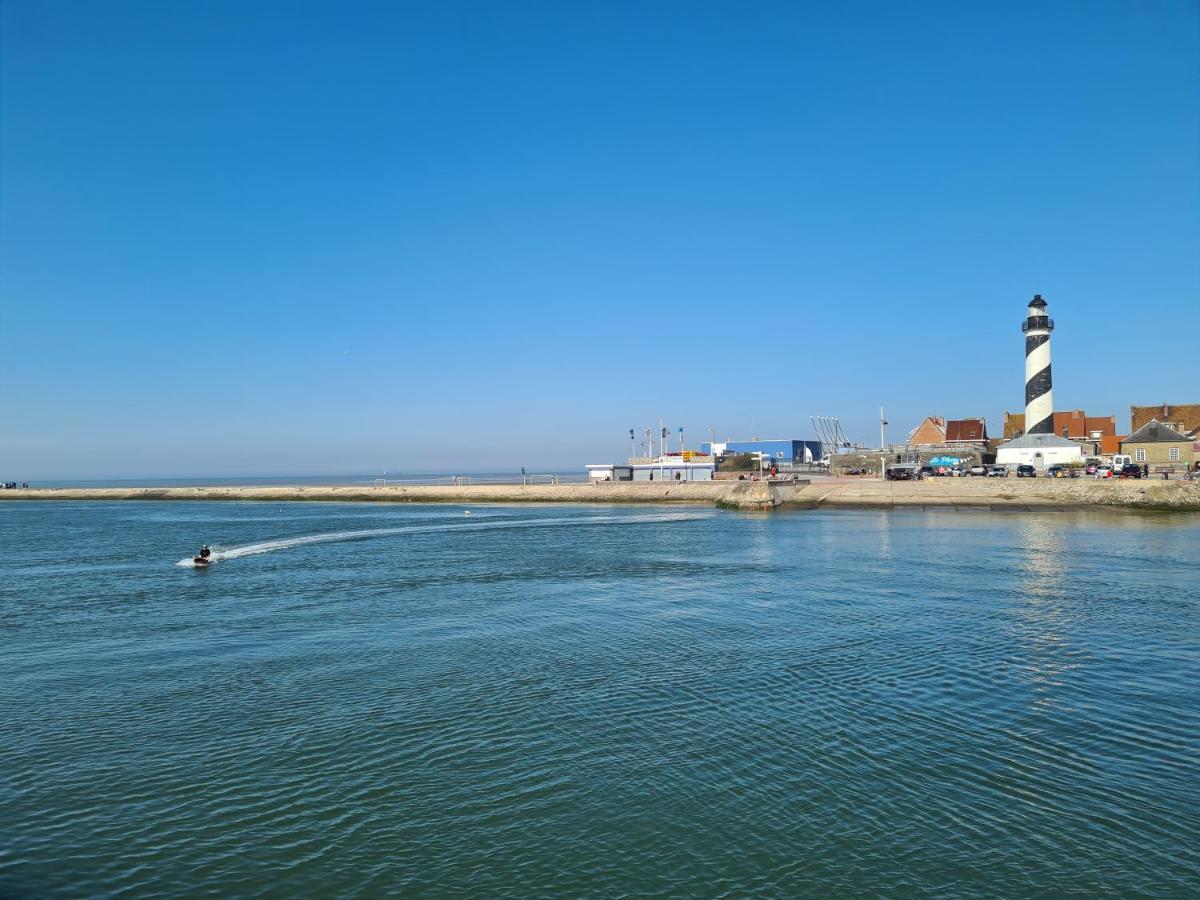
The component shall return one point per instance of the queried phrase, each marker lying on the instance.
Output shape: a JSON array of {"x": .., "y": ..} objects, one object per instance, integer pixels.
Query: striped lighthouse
[{"x": 1039, "y": 400}]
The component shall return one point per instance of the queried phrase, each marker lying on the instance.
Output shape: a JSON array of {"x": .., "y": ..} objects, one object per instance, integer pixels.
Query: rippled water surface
[{"x": 370, "y": 700}]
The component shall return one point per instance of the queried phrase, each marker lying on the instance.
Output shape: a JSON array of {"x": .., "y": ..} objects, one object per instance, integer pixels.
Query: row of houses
[{"x": 1165, "y": 437}]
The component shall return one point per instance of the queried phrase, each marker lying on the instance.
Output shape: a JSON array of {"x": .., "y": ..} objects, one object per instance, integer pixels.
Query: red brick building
[
  {"x": 930, "y": 433},
  {"x": 967, "y": 432}
]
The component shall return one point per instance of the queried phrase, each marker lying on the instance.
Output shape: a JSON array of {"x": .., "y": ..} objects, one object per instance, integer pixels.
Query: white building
[
  {"x": 673, "y": 468},
  {"x": 1039, "y": 451},
  {"x": 609, "y": 472}
]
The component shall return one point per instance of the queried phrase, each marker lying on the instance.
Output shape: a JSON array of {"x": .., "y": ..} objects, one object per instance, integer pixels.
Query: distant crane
[{"x": 829, "y": 433}]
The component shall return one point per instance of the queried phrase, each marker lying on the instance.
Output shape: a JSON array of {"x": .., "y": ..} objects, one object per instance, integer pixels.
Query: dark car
[
  {"x": 1026, "y": 472},
  {"x": 1130, "y": 470},
  {"x": 927, "y": 472},
  {"x": 899, "y": 474},
  {"x": 1061, "y": 471}
]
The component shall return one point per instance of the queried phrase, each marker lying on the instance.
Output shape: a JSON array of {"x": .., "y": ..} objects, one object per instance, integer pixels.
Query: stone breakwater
[{"x": 1009, "y": 493}]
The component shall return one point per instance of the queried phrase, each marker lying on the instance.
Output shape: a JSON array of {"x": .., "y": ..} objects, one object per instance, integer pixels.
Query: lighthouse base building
[{"x": 1039, "y": 451}]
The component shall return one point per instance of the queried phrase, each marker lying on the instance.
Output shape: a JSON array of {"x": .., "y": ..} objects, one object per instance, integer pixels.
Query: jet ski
[{"x": 202, "y": 562}]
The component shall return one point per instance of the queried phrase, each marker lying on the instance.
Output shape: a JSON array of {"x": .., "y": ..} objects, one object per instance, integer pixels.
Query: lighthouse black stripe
[
  {"x": 1046, "y": 426},
  {"x": 1037, "y": 385},
  {"x": 1033, "y": 341}
]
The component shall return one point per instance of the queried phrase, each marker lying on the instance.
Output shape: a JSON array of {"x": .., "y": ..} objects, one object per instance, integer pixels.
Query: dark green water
[{"x": 596, "y": 702}]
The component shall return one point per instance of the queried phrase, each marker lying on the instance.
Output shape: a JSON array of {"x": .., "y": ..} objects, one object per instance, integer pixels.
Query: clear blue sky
[{"x": 249, "y": 238}]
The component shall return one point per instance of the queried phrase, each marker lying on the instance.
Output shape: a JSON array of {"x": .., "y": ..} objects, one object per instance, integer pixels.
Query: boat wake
[{"x": 226, "y": 553}]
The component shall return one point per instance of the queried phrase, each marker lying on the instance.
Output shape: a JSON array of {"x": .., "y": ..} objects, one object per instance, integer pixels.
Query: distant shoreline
[{"x": 1011, "y": 494}]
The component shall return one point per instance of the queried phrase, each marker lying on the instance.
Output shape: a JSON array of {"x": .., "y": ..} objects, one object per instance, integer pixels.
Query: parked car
[
  {"x": 1130, "y": 470},
  {"x": 1104, "y": 471},
  {"x": 998, "y": 472},
  {"x": 1090, "y": 468},
  {"x": 927, "y": 472},
  {"x": 956, "y": 472},
  {"x": 1024, "y": 471},
  {"x": 900, "y": 473},
  {"x": 979, "y": 470}
]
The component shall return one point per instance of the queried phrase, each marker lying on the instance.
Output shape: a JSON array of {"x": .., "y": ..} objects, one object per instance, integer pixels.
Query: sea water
[{"x": 372, "y": 700}]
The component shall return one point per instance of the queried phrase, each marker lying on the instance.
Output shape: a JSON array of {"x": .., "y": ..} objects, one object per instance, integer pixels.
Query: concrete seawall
[
  {"x": 988, "y": 493},
  {"x": 705, "y": 492},
  {"x": 1008, "y": 493}
]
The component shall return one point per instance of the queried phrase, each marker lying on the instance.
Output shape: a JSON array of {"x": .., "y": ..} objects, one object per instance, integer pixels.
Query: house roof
[
  {"x": 1110, "y": 444},
  {"x": 932, "y": 430},
  {"x": 1155, "y": 432},
  {"x": 1185, "y": 415},
  {"x": 966, "y": 430},
  {"x": 1072, "y": 422},
  {"x": 1038, "y": 441},
  {"x": 1078, "y": 424}
]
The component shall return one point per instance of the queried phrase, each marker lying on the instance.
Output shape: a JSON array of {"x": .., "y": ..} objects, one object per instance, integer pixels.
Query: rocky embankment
[
  {"x": 1007, "y": 493},
  {"x": 989, "y": 493}
]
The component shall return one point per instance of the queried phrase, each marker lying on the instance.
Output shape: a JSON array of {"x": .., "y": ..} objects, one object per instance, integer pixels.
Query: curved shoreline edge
[{"x": 1032, "y": 494}]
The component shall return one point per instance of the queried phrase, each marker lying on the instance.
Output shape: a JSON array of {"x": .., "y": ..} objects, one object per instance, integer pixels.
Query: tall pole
[
  {"x": 882, "y": 422},
  {"x": 662, "y": 447}
]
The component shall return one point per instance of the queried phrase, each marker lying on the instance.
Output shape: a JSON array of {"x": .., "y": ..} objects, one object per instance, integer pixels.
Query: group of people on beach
[{"x": 12, "y": 485}]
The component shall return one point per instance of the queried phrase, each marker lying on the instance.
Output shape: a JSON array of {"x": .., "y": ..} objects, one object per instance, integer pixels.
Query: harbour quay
[{"x": 767, "y": 494}]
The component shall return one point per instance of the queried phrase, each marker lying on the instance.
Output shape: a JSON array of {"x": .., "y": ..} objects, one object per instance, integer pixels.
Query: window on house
[
  {"x": 1139, "y": 455},
  {"x": 1173, "y": 454}
]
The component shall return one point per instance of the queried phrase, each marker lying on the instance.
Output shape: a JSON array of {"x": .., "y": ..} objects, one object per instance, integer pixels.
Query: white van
[{"x": 1120, "y": 461}]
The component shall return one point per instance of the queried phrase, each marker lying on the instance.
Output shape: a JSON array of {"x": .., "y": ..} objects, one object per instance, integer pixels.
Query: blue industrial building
[{"x": 780, "y": 452}]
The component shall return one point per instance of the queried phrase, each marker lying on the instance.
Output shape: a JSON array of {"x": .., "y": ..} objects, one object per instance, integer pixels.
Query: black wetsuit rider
[{"x": 205, "y": 553}]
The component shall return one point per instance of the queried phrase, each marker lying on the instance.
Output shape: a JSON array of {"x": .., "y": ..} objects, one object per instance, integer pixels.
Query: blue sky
[{"x": 333, "y": 238}]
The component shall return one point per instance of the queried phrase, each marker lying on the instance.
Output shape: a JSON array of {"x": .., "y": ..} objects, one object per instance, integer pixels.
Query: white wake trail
[{"x": 219, "y": 555}]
